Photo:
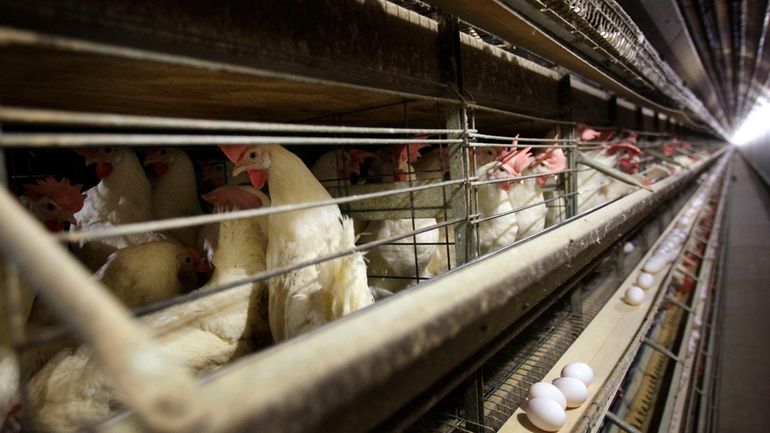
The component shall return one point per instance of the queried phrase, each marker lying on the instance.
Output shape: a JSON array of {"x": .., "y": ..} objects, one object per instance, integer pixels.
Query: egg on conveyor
[
  {"x": 574, "y": 390},
  {"x": 546, "y": 414},
  {"x": 546, "y": 390},
  {"x": 579, "y": 370},
  {"x": 628, "y": 247},
  {"x": 634, "y": 296},
  {"x": 654, "y": 264},
  {"x": 670, "y": 256},
  {"x": 645, "y": 280}
]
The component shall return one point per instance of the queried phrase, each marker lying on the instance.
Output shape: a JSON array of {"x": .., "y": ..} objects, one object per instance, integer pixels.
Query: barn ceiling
[{"x": 718, "y": 48}]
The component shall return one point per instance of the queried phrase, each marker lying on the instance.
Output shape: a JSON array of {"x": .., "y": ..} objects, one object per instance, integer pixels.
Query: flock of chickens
[{"x": 66, "y": 388}]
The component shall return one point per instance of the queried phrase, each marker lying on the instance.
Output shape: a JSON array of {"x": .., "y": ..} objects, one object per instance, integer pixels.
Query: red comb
[
  {"x": 66, "y": 195},
  {"x": 414, "y": 151},
  {"x": 553, "y": 158},
  {"x": 358, "y": 156},
  {"x": 516, "y": 160},
  {"x": 234, "y": 152},
  {"x": 623, "y": 146},
  {"x": 231, "y": 196}
]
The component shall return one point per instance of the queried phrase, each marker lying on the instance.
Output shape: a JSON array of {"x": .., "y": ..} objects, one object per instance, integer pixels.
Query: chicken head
[
  {"x": 160, "y": 159},
  {"x": 105, "y": 158},
  {"x": 551, "y": 161},
  {"x": 189, "y": 262},
  {"x": 254, "y": 160},
  {"x": 54, "y": 202},
  {"x": 628, "y": 156}
]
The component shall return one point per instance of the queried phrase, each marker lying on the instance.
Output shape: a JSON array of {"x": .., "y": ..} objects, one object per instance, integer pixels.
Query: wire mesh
[
  {"x": 397, "y": 207},
  {"x": 608, "y": 29},
  {"x": 508, "y": 375}
]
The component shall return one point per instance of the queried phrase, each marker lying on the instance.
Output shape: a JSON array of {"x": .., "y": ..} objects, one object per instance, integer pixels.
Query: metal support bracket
[
  {"x": 679, "y": 304},
  {"x": 621, "y": 423},
  {"x": 661, "y": 349}
]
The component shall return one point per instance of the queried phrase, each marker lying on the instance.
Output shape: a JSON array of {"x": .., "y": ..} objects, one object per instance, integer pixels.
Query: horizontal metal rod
[
  {"x": 13, "y": 139},
  {"x": 519, "y": 209},
  {"x": 175, "y": 223},
  {"x": 518, "y": 178},
  {"x": 521, "y": 139},
  {"x": 55, "y": 117},
  {"x": 421, "y": 335},
  {"x": 474, "y": 106},
  {"x": 534, "y": 146}
]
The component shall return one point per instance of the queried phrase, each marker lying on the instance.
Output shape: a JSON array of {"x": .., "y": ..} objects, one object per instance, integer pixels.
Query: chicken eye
[
  {"x": 188, "y": 259},
  {"x": 50, "y": 206},
  {"x": 253, "y": 155}
]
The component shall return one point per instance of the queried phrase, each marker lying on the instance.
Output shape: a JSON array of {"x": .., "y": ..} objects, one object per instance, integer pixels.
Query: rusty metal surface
[{"x": 350, "y": 375}]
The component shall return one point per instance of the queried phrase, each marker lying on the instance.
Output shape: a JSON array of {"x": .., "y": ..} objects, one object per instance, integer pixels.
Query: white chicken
[
  {"x": 435, "y": 165},
  {"x": 393, "y": 267},
  {"x": 206, "y": 333},
  {"x": 334, "y": 168},
  {"x": 596, "y": 188},
  {"x": 306, "y": 298},
  {"x": 122, "y": 196},
  {"x": 528, "y": 193},
  {"x": 174, "y": 191},
  {"x": 151, "y": 272},
  {"x": 492, "y": 201},
  {"x": 53, "y": 203}
]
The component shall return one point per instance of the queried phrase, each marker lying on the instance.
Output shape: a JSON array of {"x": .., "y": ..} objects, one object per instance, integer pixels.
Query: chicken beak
[{"x": 239, "y": 168}]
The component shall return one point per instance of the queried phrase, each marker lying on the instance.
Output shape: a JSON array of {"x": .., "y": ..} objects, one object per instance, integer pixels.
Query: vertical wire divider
[
  {"x": 444, "y": 158},
  {"x": 571, "y": 177},
  {"x": 456, "y": 118},
  {"x": 411, "y": 172}
]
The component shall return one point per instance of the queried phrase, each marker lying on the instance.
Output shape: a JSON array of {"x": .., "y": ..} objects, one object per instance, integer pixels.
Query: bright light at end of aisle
[{"x": 756, "y": 124}]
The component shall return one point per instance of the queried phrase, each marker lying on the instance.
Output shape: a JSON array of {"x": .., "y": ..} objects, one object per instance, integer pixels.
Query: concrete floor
[{"x": 744, "y": 400}]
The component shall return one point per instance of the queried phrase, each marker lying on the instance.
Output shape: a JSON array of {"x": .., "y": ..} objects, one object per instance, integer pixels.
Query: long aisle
[{"x": 744, "y": 400}]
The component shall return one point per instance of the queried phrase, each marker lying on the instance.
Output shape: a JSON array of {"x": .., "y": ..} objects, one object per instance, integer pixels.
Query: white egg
[
  {"x": 628, "y": 247},
  {"x": 578, "y": 370},
  {"x": 574, "y": 390},
  {"x": 671, "y": 256},
  {"x": 645, "y": 280},
  {"x": 634, "y": 296},
  {"x": 546, "y": 414},
  {"x": 546, "y": 390},
  {"x": 654, "y": 264}
]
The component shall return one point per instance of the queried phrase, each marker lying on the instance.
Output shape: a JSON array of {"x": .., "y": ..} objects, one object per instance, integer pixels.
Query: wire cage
[
  {"x": 432, "y": 203},
  {"x": 423, "y": 186}
]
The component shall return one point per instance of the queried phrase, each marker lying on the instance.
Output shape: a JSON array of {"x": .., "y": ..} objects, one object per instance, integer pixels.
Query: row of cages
[
  {"x": 506, "y": 378},
  {"x": 225, "y": 238}
]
